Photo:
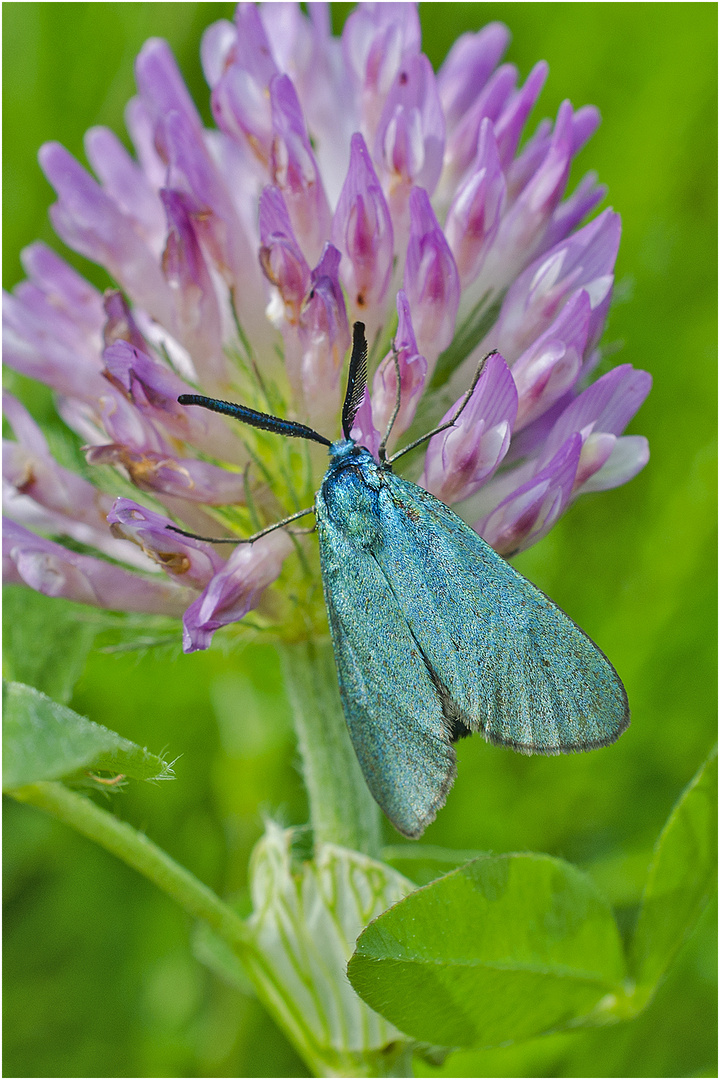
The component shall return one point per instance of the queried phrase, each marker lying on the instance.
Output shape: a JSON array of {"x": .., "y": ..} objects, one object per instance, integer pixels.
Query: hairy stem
[
  {"x": 342, "y": 810},
  {"x": 200, "y": 902},
  {"x": 137, "y": 851}
]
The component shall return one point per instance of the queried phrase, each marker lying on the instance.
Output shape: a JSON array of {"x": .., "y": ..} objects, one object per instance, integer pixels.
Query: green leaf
[
  {"x": 505, "y": 948},
  {"x": 46, "y": 641},
  {"x": 43, "y": 740},
  {"x": 680, "y": 881}
]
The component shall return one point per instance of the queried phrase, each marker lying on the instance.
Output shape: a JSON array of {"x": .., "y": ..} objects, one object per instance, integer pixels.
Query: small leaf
[
  {"x": 505, "y": 948},
  {"x": 680, "y": 881},
  {"x": 43, "y": 740},
  {"x": 46, "y": 641}
]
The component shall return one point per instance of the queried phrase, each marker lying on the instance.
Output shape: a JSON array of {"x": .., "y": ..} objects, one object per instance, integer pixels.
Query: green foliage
[
  {"x": 96, "y": 958},
  {"x": 47, "y": 641},
  {"x": 43, "y": 740},
  {"x": 682, "y": 877},
  {"x": 510, "y": 947},
  {"x": 505, "y": 948}
]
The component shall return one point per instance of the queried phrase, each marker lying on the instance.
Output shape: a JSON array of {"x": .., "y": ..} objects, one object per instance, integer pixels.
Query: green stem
[
  {"x": 342, "y": 810},
  {"x": 137, "y": 851},
  {"x": 200, "y": 902}
]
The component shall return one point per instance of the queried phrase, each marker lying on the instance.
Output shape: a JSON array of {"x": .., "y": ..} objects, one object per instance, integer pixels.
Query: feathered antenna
[{"x": 357, "y": 377}]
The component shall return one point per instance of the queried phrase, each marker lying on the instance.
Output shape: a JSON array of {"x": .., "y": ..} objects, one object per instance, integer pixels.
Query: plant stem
[
  {"x": 342, "y": 810},
  {"x": 137, "y": 851},
  {"x": 200, "y": 902}
]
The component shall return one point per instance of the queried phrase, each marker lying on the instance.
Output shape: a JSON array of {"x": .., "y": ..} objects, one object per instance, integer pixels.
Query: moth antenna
[
  {"x": 357, "y": 378},
  {"x": 255, "y": 419},
  {"x": 382, "y": 449},
  {"x": 448, "y": 423},
  {"x": 247, "y": 539}
]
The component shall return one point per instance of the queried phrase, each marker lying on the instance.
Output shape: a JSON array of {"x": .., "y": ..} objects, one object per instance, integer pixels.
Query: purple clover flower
[{"x": 345, "y": 180}]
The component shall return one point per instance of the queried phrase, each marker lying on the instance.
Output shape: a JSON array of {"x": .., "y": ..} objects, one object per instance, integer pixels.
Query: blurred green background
[{"x": 100, "y": 979}]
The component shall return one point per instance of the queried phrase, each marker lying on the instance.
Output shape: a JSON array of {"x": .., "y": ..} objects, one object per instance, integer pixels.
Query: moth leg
[
  {"x": 247, "y": 539},
  {"x": 448, "y": 423}
]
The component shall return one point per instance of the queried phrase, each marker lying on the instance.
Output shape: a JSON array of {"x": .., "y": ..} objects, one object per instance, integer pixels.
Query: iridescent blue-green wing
[
  {"x": 393, "y": 711},
  {"x": 509, "y": 662}
]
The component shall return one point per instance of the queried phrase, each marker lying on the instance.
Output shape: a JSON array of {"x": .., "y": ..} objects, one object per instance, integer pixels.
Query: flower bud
[
  {"x": 235, "y": 589},
  {"x": 461, "y": 458},
  {"x": 431, "y": 280},
  {"x": 305, "y": 921}
]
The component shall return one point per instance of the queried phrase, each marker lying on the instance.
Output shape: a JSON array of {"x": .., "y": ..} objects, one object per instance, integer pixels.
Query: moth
[{"x": 435, "y": 635}]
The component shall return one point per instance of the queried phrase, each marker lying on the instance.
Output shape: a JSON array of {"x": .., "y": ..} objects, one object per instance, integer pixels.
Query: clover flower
[{"x": 345, "y": 181}]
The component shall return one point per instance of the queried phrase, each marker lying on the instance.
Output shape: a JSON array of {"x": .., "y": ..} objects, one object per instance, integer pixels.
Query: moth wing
[
  {"x": 510, "y": 663},
  {"x": 393, "y": 711}
]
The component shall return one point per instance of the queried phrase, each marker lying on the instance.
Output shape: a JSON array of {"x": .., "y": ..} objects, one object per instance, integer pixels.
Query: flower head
[{"x": 345, "y": 181}]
